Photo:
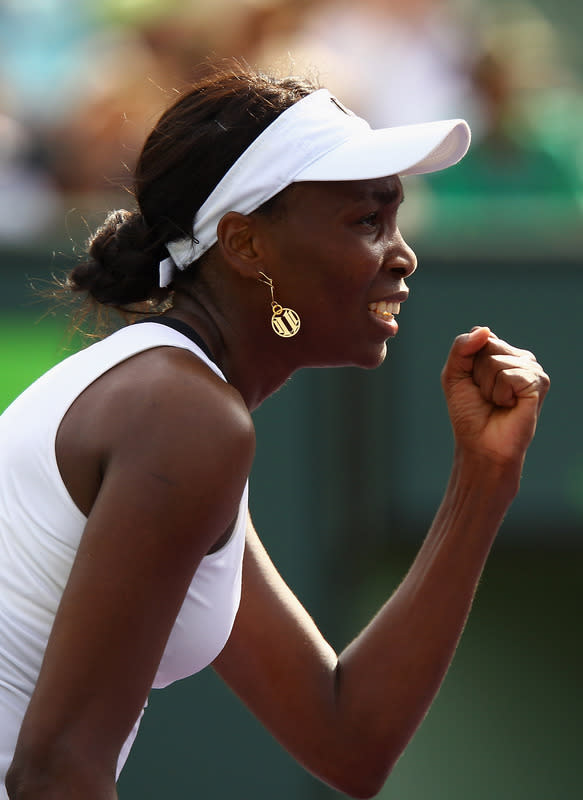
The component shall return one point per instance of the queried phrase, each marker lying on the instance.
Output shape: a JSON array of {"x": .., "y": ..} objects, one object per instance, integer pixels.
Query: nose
[{"x": 403, "y": 261}]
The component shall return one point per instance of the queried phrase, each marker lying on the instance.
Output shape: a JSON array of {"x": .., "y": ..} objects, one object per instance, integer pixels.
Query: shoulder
[
  {"x": 172, "y": 392},
  {"x": 178, "y": 442},
  {"x": 164, "y": 413}
]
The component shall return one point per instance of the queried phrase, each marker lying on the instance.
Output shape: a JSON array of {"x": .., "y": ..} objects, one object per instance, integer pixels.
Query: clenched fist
[{"x": 494, "y": 393}]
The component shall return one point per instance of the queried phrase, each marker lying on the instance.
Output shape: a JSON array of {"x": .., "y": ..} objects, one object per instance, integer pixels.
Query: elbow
[
  {"x": 26, "y": 780},
  {"x": 359, "y": 787},
  {"x": 360, "y": 792},
  {"x": 22, "y": 781},
  {"x": 30, "y": 777},
  {"x": 360, "y": 775},
  {"x": 13, "y": 782}
]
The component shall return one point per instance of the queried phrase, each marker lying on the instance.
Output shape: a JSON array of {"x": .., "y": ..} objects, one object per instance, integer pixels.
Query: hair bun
[{"x": 121, "y": 266}]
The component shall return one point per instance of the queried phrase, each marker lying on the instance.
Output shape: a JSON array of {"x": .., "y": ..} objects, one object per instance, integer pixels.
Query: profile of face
[{"x": 337, "y": 257}]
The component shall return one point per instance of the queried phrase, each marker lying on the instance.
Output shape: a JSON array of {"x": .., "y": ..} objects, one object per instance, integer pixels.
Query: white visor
[{"x": 316, "y": 139}]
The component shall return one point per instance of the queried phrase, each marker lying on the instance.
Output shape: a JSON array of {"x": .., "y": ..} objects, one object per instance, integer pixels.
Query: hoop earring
[{"x": 284, "y": 321}]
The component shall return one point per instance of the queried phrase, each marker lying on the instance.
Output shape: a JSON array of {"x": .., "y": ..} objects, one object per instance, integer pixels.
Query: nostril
[{"x": 403, "y": 267}]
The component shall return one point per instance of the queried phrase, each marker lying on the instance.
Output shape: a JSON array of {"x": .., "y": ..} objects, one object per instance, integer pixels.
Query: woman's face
[{"x": 336, "y": 256}]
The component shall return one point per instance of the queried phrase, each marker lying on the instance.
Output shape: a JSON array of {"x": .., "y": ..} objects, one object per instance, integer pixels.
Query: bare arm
[
  {"x": 170, "y": 445},
  {"x": 348, "y": 718}
]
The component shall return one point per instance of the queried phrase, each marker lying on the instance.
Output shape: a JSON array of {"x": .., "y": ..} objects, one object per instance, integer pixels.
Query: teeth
[{"x": 384, "y": 308}]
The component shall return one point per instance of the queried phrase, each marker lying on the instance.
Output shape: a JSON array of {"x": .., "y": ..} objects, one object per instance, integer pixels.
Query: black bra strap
[{"x": 183, "y": 328}]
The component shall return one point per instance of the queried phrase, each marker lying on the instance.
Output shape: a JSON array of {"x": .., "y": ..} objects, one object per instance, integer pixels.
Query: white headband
[{"x": 316, "y": 139}]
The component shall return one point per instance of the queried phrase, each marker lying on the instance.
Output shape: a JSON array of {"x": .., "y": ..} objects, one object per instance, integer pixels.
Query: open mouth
[{"x": 385, "y": 309}]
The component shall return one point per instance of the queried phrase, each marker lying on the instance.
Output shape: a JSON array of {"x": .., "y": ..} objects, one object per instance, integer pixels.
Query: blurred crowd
[{"x": 82, "y": 82}]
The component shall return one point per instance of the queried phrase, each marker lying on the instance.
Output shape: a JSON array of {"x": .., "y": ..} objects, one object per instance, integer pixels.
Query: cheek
[
  {"x": 323, "y": 269},
  {"x": 340, "y": 294},
  {"x": 355, "y": 269}
]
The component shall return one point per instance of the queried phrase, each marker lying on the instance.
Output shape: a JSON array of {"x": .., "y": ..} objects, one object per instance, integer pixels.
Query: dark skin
[
  {"x": 330, "y": 249},
  {"x": 157, "y": 452}
]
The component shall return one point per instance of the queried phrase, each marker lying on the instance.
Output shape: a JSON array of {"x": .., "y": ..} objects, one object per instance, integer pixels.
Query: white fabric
[
  {"x": 316, "y": 139},
  {"x": 40, "y": 529}
]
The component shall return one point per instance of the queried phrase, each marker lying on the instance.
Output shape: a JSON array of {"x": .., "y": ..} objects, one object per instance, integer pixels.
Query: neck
[{"x": 254, "y": 362}]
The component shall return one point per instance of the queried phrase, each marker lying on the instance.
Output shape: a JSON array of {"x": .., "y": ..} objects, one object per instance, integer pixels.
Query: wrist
[{"x": 499, "y": 477}]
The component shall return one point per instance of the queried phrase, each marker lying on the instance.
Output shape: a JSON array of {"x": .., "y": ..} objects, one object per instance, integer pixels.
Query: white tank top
[{"x": 40, "y": 529}]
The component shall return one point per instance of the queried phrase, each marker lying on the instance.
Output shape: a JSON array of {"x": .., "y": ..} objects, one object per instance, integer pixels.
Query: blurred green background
[{"x": 351, "y": 465}]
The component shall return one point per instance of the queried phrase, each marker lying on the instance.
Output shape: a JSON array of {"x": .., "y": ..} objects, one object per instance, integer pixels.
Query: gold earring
[{"x": 285, "y": 321}]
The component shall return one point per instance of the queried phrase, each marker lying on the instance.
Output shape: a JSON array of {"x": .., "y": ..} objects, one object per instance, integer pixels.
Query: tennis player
[{"x": 264, "y": 240}]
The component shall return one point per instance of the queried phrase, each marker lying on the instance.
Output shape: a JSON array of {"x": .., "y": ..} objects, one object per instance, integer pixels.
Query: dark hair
[{"x": 190, "y": 149}]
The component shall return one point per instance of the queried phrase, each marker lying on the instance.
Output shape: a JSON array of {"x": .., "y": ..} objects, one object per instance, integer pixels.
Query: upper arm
[{"x": 172, "y": 482}]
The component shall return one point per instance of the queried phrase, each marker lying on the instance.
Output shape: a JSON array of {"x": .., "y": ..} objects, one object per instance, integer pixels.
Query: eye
[{"x": 370, "y": 220}]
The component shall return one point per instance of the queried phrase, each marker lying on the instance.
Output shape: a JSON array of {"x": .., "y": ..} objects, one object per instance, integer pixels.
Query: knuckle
[{"x": 528, "y": 355}]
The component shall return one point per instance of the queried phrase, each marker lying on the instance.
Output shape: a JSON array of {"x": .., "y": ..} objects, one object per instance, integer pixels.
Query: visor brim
[{"x": 405, "y": 150}]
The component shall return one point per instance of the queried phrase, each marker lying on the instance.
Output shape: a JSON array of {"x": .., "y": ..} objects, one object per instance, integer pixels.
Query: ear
[{"x": 238, "y": 241}]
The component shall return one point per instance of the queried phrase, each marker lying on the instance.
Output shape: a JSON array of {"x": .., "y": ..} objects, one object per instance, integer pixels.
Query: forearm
[
  {"x": 348, "y": 718},
  {"x": 70, "y": 779},
  {"x": 398, "y": 662}
]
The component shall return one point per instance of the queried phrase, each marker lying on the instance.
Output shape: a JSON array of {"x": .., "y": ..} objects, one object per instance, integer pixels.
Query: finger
[
  {"x": 470, "y": 343},
  {"x": 460, "y": 360},
  {"x": 487, "y": 367},
  {"x": 516, "y": 383},
  {"x": 499, "y": 346}
]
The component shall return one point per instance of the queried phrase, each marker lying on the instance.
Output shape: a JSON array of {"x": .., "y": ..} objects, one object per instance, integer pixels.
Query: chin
[
  {"x": 372, "y": 359},
  {"x": 367, "y": 355},
  {"x": 379, "y": 361}
]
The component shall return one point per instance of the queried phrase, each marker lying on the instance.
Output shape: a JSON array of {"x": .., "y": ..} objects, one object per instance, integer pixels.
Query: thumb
[{"x": 461, "y": 356}]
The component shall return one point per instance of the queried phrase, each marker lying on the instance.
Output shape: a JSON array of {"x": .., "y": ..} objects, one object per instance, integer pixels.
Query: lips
[{"x": 385, "y": 308}]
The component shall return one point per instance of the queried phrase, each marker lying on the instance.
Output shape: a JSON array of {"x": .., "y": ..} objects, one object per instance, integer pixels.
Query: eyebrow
[
  {"x": 390, "y": 192},
  {"x": 361, "y": 192},
  {"x": 389, "y": 196}
]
